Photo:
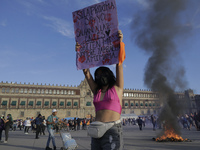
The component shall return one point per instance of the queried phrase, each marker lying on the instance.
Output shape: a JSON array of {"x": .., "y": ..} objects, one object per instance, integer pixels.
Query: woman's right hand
[
  {"x": 77, "y": 47},
  {"x": 85, "y": 71}
]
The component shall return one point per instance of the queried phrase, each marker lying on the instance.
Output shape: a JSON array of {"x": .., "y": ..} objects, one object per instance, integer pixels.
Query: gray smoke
[{"x": 155, "y": 31}]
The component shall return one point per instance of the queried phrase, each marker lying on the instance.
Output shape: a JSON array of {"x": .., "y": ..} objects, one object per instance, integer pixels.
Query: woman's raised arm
[
  {"x": 119, "y": 67},
  {"x": 88, "y": 75},
  {"x": 90, "y": 80}
]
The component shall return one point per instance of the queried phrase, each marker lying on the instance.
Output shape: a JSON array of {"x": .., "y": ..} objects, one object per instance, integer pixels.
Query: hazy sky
[{"x": 37, "y": 42}]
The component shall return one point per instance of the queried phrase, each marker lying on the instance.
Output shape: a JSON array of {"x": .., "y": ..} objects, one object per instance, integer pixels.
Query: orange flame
[{"x": 170, "y": 135}]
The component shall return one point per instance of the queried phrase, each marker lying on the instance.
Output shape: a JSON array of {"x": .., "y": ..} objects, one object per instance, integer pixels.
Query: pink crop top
[{"x": 110, "y": 101}]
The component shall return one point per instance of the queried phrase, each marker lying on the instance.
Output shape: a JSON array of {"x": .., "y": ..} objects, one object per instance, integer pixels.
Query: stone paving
[{"x": 134, "y": 139}]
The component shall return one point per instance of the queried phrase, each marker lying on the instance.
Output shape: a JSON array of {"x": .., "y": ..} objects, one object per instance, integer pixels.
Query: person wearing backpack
[
  {"x": 38, "y": 122},
  {"x": 8, "y": 122}
]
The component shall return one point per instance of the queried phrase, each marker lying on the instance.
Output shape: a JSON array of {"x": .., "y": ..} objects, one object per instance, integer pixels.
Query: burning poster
[{"x": 96, "y": 30}]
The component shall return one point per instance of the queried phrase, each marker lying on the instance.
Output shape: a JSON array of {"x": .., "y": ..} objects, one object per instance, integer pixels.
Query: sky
[{"x": 37, "y": 42}]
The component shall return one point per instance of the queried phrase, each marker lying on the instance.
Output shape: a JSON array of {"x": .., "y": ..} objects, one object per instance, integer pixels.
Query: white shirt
[
  {"x": 45, "y": 123},
  {"x": 27, "y": 123}
]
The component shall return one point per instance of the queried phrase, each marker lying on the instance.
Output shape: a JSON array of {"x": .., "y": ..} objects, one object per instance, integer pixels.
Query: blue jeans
[
  {"x": 51, "y": 136},
  {"x": 111, "y": 140}
]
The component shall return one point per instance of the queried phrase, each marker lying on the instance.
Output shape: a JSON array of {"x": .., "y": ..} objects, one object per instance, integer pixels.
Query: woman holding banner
[{"x": 106, "y": 130}]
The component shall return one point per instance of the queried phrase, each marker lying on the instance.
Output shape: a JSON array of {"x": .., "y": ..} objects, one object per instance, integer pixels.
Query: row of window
[
  {"x": 141, "y": 95},
  {"x": 54, "y": 103},
  {"x": 46, "y": 103},
  {"x": 37, "y": 91},
  {"x": 142, "y": 104}
]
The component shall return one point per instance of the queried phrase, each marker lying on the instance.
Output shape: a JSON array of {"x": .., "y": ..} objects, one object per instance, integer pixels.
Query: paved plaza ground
[{"x": 133, "y": 140}]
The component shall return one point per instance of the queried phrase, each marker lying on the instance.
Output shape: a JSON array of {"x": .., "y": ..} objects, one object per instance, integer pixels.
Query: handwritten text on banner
[{"x": 96, "y": 30}]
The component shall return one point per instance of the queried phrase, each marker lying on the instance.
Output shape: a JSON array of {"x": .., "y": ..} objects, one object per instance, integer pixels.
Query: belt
[{"x": 115, "y": 122}]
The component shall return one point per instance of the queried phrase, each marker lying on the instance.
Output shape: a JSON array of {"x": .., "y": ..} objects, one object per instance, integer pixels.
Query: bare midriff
[{"x": 107, "y": 116}]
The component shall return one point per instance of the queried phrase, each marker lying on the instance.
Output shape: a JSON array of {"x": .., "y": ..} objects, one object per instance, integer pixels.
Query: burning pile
[{"x": 171, "y": 136}]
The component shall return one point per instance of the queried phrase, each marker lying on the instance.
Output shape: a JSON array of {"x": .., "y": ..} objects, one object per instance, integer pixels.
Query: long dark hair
[
  {"x": 10, "y": 117},
  {"x": 112, "y": 78}
]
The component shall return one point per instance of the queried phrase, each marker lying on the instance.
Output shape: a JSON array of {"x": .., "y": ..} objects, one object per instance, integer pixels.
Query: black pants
[
  {"x": 75, "y": 128},
  {"x": 43, "y": 128},
  {"x": 20, "y": 127},
  {"x": 78, "y": 127},
  {"x": 26, "y": 129},
  {"x": 38, "y": 130},
  {"x": 140, "y": 126},
  {"x": 7, "y": 128},
  {"x": 1, "y": 134},
  {"x": 154, "y": 126}
]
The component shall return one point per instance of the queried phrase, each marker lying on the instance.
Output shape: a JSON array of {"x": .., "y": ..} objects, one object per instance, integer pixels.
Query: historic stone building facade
[{"x": 28, "y": 100}]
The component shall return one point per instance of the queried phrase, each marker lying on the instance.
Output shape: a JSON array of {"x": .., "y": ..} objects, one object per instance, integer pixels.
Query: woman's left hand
[{"x": 120, "y": 35}]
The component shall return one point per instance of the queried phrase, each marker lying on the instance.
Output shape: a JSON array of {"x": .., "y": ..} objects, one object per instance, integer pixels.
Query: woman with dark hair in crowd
[
  {"x": 38, "y": 122},
  {"x": 44, "y": 124},
  {"x": 108, "y": 91},
  {"x": 8, "y": 122}
]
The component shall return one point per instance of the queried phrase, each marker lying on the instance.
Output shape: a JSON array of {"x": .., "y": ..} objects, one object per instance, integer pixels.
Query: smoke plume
[{"x": 155, "y": 31}]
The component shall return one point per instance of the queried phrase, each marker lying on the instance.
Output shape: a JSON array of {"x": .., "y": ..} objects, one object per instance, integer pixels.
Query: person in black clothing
[
  {"x": 1, "y": 127},
  {"x": 20, "y": 124},
  {"x": 139, "y": 120},
  {"x": 153, "y": 120},
  {"x": 38, "y": 122},
  {"x": 196, "y": 121},
  {"x": 8, "y": 122},
  {"x": 70, "y": 124},
  {"x": 75, "y": 124},
  {"x": 78, "y": 123},
  {"x": 43, "y": 125},
  {"x": 84, "y": 124}
]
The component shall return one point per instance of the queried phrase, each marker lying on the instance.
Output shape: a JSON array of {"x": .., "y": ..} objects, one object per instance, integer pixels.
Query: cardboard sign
[{"x": 96, "y": 30}]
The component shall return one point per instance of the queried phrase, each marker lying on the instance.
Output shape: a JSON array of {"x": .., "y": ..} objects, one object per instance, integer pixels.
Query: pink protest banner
[{"x": 96, "y": 30}]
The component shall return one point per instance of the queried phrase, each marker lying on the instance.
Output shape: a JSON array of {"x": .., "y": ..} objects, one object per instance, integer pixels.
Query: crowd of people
[
  {"x": 38, "y": 125},
  {"x": 190, "y": 120},
  {"x": 186, "y": 121}
]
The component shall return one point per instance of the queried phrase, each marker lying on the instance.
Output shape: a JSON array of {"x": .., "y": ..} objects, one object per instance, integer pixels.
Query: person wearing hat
[{"x": 51, "y": 122}]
